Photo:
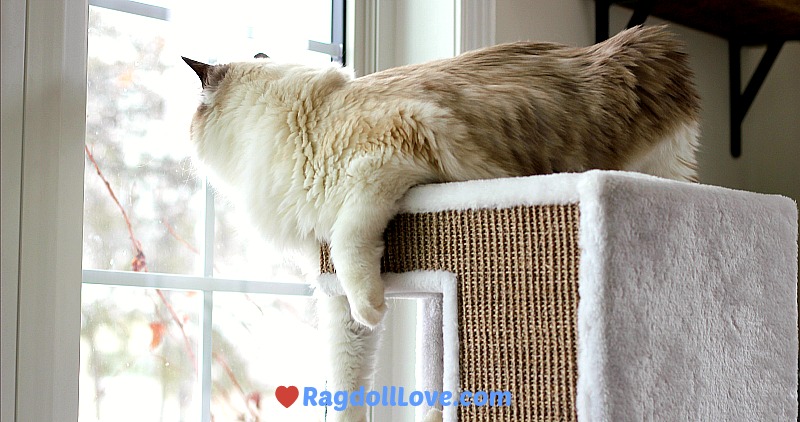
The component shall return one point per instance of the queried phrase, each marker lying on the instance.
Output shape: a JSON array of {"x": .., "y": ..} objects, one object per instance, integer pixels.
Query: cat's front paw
[{"x": 366, "y": 313}]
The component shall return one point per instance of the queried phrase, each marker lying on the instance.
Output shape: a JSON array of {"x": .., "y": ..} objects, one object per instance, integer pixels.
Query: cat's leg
[
  {"x": 356, "y": 251},
  {"x": 434, "y": 415},
  {"x": 672, "y": 157},
  {"x": 351, "y": 354}
]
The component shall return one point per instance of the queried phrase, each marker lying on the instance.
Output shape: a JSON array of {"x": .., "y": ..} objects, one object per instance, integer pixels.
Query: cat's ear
[
  {"x": 261, "y": 56},
  {"x": 200, "y": 68}
]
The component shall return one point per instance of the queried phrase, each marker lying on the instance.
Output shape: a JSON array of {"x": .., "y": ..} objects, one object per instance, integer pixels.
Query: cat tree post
[{"x": 610, "y": 295}]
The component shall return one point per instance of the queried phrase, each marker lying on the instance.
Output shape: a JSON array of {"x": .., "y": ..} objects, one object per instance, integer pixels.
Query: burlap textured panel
[{"x": 518, "y": 294}]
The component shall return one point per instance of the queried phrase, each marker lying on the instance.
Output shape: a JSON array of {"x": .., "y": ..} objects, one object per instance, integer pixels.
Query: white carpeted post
[{"x": 430, "y": 350}]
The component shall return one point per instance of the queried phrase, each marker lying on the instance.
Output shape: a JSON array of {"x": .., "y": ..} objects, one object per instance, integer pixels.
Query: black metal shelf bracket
[
  {"x": 601, "y": 11},
  {"x": 601, "y": 18},
  {"x": 741, "y": 101}
]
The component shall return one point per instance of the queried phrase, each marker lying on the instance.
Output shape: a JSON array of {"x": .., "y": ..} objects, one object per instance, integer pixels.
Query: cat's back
[
  {"x": 542, "y": 107},
  {"x": 645, "y": 58}
]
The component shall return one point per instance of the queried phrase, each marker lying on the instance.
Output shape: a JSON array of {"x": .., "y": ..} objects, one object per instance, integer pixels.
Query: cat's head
[
  {"x": 224, "y": 115},
  {"x": 211, "y": 76},
  {"x": 240, "y": 98}
]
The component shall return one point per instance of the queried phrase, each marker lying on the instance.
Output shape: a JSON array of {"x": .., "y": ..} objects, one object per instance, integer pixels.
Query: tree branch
[{"x": 139, "y": 263}]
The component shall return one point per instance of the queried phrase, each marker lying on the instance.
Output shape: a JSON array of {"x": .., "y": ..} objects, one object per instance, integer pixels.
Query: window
[
  {"x": 180, "y": 307},
  {"x": 44, "y": 129}
]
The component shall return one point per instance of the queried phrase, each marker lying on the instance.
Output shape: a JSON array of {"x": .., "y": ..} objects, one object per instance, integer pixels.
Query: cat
[{"x": 317, "y": 155}]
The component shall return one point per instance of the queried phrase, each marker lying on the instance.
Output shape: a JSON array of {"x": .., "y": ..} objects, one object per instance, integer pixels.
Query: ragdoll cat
[{"x": 318, "y": 155}]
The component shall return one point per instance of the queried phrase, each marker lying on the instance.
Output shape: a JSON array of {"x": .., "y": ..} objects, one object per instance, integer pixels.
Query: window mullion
[
  {"x": 206, "y": 355},
  {"x": 208, "y": 232},
  {"x": 206, "y": 344},
  {"x": 338, "y": 29}
]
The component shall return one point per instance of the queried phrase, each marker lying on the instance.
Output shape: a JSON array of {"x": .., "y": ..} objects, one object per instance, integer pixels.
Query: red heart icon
[{"x": 287, "y": 395}]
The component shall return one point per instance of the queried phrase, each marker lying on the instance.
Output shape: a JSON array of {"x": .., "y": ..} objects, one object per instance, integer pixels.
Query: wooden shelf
[{"x": 748, "y": 22}]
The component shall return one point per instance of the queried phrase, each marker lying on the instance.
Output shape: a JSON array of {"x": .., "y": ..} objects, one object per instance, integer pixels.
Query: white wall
[
  {"x": 771, "y": 130},
  {"x": 770, "y": 161},
  {"x": 565, "y": 21},
  {"x": 415, "y": 31}
]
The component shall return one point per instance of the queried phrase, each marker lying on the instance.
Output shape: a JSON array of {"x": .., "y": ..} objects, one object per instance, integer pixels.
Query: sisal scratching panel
[{"x": 517, "y": 272}]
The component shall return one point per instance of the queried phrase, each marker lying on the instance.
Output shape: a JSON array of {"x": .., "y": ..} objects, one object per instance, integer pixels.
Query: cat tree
[{"x": 601, "y": 296}]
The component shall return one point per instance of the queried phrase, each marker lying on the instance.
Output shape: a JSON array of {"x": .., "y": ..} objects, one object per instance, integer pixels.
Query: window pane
[
  {"x": 138, "y": 114},
  {"x": 140, "y": 100},
  {"x": 262, "y": 342},
  {"x": 138, "y": 354}
]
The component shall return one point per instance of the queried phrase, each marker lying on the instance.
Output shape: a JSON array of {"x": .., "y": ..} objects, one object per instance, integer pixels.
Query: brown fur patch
[{"x": 542, "y": 108}]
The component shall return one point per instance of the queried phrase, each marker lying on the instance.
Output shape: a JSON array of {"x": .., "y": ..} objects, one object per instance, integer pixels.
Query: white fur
[
  {"x": 302, "y": 178},
  {"x": 673, "y": 157},
  {"x": 351, "y": 353}
]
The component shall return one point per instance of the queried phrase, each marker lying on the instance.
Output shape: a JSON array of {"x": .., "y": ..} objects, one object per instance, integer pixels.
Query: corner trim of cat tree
[{"x": 420, "y": 284}]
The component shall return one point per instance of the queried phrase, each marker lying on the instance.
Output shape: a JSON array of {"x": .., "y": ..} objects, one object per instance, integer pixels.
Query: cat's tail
[
  {"x": 657, "y": 70},
  {"x": 658, "y": 65}
]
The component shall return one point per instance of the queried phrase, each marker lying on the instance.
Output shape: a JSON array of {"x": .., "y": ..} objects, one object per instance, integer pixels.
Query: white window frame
[
  {"x": 51, "y": 38},
  {"x": 43, "y": 130}
]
